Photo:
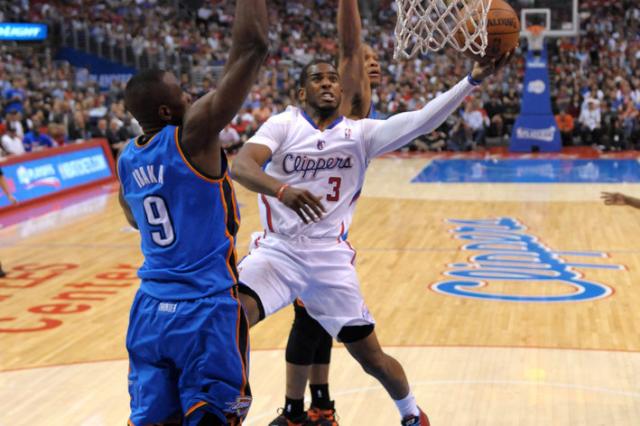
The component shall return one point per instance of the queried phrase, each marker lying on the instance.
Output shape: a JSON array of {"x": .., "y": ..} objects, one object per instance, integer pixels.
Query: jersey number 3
[
  {"x": 158, "y": 215},
  {"x": 335, "y": 194}
]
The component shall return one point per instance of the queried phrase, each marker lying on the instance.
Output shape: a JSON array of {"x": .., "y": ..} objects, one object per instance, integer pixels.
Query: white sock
[{"x": 407, "y": 406}]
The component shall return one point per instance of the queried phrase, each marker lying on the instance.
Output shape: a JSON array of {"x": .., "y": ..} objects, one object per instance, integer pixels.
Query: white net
[
  {"x": 430, "y": 25},
  {"x": 535, "y": 37}
]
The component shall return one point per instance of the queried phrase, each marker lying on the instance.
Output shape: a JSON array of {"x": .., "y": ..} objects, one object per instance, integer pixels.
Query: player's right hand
[
  {"x": 489, "y": 66},
  {"x": 614, "y": 198},
  {"x": 304, "y": 203}
]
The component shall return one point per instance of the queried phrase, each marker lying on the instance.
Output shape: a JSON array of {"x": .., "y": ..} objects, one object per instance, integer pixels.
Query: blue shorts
[{"x": 188, "y": 357}]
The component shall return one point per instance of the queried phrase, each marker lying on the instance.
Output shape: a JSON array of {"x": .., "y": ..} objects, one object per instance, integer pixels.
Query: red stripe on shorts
[{"x": 268, "y": 207}]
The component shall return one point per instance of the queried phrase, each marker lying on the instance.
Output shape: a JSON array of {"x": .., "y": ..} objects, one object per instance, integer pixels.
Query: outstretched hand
[
  {"x": 488, "y": 66},
  {"x": 304, "y": 203},
  {"x": 614, "y": 198}
]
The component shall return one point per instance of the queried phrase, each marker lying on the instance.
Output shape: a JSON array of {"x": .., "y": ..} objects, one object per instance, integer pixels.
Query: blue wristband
[{"x": 473, "y": 81}]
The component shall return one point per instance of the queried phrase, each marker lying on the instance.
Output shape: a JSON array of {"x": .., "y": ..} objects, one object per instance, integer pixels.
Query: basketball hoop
[
  {"x": 535, "y": 36},
  {"x": 430, "y": 25}
]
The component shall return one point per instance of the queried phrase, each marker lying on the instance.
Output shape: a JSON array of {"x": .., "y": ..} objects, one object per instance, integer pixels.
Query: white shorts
[{"x": 320, "y": 272}]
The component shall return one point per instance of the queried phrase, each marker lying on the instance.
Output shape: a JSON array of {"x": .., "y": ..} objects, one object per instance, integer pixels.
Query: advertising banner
[
  {"x": 22, "y": 31},
  {"x": 56, "y": 170}
]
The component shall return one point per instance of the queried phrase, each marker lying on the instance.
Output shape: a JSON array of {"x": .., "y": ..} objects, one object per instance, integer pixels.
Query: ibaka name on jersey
[
  {"x": 303, "y": 164},
  {"x": 148, "y": 175}
]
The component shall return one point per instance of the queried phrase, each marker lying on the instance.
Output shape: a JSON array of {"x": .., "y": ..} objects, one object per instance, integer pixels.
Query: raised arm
[
  {"x": 399, "y": 130},
  {"x": 211, "y": 113},
  {"x": 356, "y": 97}
]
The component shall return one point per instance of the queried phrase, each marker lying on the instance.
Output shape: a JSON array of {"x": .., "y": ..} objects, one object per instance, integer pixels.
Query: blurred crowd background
[{"x": 46, "y": 102}]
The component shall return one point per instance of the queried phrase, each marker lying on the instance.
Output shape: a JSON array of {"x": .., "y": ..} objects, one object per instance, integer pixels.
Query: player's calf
[
  {"x": 367, "y": 351},
  {"x": 390, "y": 374}
]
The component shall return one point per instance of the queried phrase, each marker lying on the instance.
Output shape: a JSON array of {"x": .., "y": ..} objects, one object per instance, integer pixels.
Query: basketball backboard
[{"x": 559, "y": 17}]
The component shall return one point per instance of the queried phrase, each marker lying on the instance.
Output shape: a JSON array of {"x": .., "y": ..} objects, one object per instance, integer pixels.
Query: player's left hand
[
  {"x": 486, "y": 67},
  {"x": 613, "y": 198}
]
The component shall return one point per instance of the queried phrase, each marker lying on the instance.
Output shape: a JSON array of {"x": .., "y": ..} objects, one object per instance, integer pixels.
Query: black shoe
[{"x": 281, "y": 420}]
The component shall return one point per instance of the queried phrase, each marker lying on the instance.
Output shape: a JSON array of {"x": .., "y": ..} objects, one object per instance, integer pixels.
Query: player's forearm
[
  {"x": 356, "y": 96},
  {"x": 249, "y": 174},
  {"x": 4, "y": 186},
  {"x": 632, "y": 201},
  {"x": 401, "y": 129},
  {"x": 250, "y": 29},
  {"x": 349, "y": 28}
]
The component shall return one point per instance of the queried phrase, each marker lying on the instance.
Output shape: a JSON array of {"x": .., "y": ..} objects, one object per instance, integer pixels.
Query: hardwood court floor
[{"x": 64, "y": 310}]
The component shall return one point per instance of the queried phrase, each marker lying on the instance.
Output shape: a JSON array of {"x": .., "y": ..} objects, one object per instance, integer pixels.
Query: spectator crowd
[{"x": 595, "y": 77}]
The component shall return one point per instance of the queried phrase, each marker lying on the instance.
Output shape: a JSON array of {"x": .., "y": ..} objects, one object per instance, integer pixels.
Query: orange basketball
[{"x": 503, "y": 31}]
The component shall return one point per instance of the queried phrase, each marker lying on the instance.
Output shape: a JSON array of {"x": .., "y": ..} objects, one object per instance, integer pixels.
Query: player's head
[
  {"x": 319, "y": 86},
  {"x": 372, "y": 66},
  {"x": 155, "y": 99}
]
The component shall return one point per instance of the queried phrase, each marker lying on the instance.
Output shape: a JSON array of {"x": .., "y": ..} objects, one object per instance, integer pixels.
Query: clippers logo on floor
[{"x": 507, "y": 254}]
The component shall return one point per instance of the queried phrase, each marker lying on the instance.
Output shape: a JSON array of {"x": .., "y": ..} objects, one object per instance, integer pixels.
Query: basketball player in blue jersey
[
  {"x": 308, "y": 193},
  {"x": 308, "y": 352},
  {"x": 188, "y": 337}
]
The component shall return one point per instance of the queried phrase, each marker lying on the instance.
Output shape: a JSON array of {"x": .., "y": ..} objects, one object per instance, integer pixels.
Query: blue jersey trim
[
  {"x": 329, "y": 127},
  {"x": 335, "y": 122},
  {"x": 148, "y": 143},
  {"x": 193, "y": 168},
  {"x": 472, "y": 81}
]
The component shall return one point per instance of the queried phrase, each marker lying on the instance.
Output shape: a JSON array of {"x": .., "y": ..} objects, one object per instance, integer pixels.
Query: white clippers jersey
[{"x": 330, "y": 164}]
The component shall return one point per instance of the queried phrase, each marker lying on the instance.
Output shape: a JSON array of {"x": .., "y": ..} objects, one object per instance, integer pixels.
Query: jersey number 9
[{"x": 158, "y": 215}]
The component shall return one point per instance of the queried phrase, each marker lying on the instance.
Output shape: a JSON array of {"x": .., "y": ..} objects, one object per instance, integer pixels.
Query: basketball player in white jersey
[
  {"x": 308, "y": 193},
  {"x": 308, "y": 351}
]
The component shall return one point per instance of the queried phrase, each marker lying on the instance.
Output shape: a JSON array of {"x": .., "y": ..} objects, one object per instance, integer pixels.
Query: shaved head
[{"x": 155, "y": 99}]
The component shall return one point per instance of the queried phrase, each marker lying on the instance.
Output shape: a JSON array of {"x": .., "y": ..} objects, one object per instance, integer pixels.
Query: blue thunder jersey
[{"x": 187, "y": 221}]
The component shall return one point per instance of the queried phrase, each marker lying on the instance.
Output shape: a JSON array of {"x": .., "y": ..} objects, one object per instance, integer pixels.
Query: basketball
[{"x": 503, "y": 31}]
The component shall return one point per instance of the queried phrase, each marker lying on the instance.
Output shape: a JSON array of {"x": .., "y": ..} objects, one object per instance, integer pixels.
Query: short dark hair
[
  {"x": 302, "y": 80},
  {"x": 141, "y": 88}
]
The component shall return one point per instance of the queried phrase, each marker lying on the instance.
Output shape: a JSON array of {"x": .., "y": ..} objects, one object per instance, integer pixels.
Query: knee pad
[
  {"x": 245, "y": 289},
  {"x": 353, "y": 333}
]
